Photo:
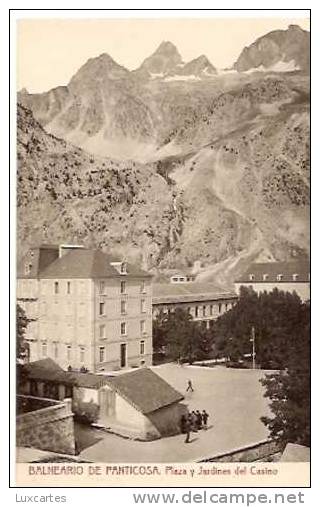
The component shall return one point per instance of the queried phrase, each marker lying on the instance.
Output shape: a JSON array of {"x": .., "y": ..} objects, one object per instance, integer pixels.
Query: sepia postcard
[{"x": 162, "y": 250}]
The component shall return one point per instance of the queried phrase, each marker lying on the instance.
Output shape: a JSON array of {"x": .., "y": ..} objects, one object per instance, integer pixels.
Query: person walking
[
  {"x": 183, "y": 421},
  {"x": 187, "y": 430},
  {"x": 199, "y": 420},
  {"x": 193, "y": 420},
  {"x": 205, "y": 417},
  {"x": 190, "y": 386}
]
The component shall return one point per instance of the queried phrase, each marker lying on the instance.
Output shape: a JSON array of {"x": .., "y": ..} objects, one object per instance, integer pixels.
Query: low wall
[
  {"x": 49, "y": 428},
  {"x": 259, "y": 451}
]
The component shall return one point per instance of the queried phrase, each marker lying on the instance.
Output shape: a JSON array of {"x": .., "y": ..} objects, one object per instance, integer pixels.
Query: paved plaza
[{"x": 233, "y": 398}]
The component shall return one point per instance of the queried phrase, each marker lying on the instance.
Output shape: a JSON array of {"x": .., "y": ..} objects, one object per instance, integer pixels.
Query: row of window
[
  {"x": 265, "y": 277},
  {"x": 123, "y": 307},
  {"x": 123, "y": 329},
  {"x": 82, "y": 350},
  {"x": 102, "y": 287},
  {"x": 206, "y": 310}
]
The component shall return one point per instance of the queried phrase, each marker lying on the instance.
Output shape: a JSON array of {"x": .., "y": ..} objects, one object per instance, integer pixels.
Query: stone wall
[
  {"x": 260, "y": 451},
  {"x": 49, "y": 428}
]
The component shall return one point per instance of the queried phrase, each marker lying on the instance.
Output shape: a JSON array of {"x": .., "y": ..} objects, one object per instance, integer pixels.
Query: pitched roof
[
  {"x": 87, "y": 263},
  {"x": 47, "y": 369},
  {"x": 145, "y": 390},
  {"x": 188, "y": 292},
  {"x": 272, "y": 269},
  {"x": 142, "y": 388},
  {"x": 295, "y": 453}
]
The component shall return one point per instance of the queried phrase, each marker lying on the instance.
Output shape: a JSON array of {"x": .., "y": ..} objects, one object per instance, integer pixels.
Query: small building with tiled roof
[
  {"x": 86, "y": 308},
  {"x": 137, "y": 403},
  {"x": 285, "y": 276},
  {"x": 204, "y": 301}
]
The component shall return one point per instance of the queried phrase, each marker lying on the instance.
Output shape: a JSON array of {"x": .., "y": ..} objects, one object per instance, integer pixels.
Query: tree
[
  {"x": 275, "y": 316},
  {"x": 181, "y": 337},
  {"x": 22, "y": 347},
  {"x": 289, "y": 390}
]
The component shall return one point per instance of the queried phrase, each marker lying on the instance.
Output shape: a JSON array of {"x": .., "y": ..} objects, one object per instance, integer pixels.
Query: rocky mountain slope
[
  {"x": 214, "y": 170},
  {"x": 278, "y": 50}
]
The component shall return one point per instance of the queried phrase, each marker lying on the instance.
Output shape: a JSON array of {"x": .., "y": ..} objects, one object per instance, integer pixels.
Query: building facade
[
  {"x": 86, "y": 308},
  {"x": 285, "y": 276},
  {"x": 204, "y": 301}
]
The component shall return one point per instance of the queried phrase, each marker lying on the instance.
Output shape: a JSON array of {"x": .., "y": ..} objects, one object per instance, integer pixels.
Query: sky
[{"x": 50, "y": 51}]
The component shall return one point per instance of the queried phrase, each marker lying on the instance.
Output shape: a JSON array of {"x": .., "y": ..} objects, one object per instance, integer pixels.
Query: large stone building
[
  {"x": 204, "y": 301},
  {"x": 87, "y": 309},
  {"x": 285, "y": 276}
]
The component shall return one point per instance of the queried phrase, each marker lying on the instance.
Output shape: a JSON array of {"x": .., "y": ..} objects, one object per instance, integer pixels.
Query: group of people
[{"x": 194, "y": 421}]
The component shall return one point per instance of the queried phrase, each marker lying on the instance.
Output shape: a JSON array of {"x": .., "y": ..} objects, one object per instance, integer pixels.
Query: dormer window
[
  {"x": 123, "y": 268},
  {"x": 251, "y": 277},
  {"x": 295, "y": 277},
  {"x": 279, "y": 278},
  {"x": 265, "y": 277},
  {"x": 27, "y": 268}
]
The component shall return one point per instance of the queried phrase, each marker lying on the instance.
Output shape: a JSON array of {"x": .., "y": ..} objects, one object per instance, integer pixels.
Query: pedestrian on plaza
[
  {"x": 190, "y": 386},
  {"x": 183, "y": 421},
  {"x": 193, "y": 420},
  {"x": 205, "y": 417},
  {"x": 187, "y": 430},
  {"x": 199, "y": 420}
]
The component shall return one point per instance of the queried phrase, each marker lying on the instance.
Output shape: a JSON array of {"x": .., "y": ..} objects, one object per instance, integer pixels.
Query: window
[
  {"x": 211, "y": 310},
  {"x": 101, "y": 354},
  {"x": 251, "y": 277},
  {"x": 82, "y": 351},
  {"x": 295, "y": 277},
  {"x": 102, "y": 288},
  {"x": 56, "y": 287},
  {"x": 196, "y": 311},
  {"x": 219, "y": 307},
  {"x": 68, "y": 287},
  {"x": 123, "y": 307},
  {"x": 265, "y": 277},
  {"x": 27, "y": 269},
  {"x": 181, "y": 279},
  {"x": 143, "y": 305},
  {"x": 68, "y": 352},
  {"x": 44, "y": 349},
  {"x": 123, "y": 268},
  {"x": 143, "y": 286},
  {"x": 189, "y": 309},
  {"x": 55, "y": 350},
  {"x": 102, "y": 308},
  {"x": 123, "y": 287},
  {"x": 143, "y": 326},
  {"x": 226, "y": 307},
  {"x": 102, "y": 332},
  {"x": 175, "y": 279},
  {"x": 279, "y": 278},
  {"x": 204, "y": 311},
  {"x": 142, "y": 348},
  {"x": 123, "y": 328}
]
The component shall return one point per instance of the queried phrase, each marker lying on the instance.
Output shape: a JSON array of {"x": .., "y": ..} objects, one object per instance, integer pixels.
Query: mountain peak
[
  {"x": 287, "y": 49},
  {"x": 165, "y": 58},
  {"x": 102, "y": 67},
  {"x": 166, "y": 47}
]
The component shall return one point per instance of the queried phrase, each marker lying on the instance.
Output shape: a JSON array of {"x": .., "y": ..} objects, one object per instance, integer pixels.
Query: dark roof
[
  {"x": 47, "y": 369},
  {"x": 86, "y": 263},
  {"x": 142, "y": 388},
  {"x": 145, "y": 390},
  {"x": 188, "y": 292},
  {"x": 272, "y": 269}
]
